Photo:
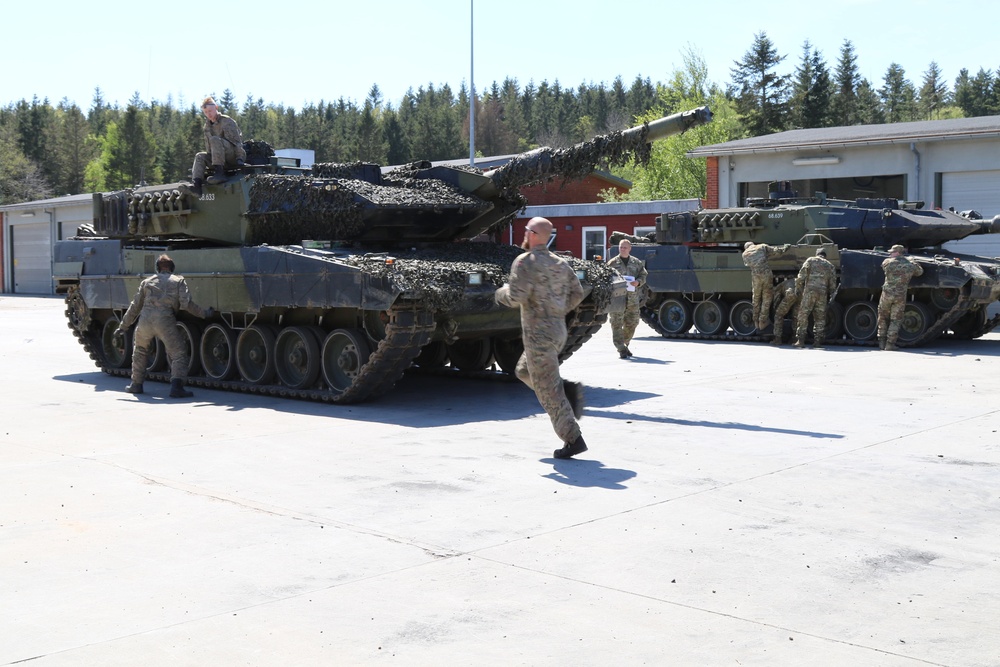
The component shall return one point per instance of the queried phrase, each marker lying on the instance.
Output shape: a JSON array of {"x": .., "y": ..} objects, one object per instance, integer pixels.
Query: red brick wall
[
  {"x": 582, "y": 191},
  {"x": 712, "y": 182}
]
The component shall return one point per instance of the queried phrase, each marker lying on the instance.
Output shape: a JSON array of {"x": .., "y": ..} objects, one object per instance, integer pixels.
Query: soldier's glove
[
  {"x": 209, "y": 312},
  {"x": 119, "y": 335}
]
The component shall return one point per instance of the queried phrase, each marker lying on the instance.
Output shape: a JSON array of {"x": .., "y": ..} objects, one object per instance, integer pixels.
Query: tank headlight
[
  {"x": 581, "y": 274},
  {"x": 475, "y": 278}
]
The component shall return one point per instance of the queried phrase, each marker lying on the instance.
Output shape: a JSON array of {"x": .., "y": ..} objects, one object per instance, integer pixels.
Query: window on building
[{"x": 595, "y": 242}]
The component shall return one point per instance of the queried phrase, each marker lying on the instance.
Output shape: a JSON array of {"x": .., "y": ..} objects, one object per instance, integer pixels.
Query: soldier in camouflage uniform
[
  {"x": 223, "y": 147},
  {"x": 898, "y": 272},
  {"x": 786, "y": 296},
  {"x": 755, "y": 256},
  {"x": 623, "y": 324},
  {"x": 155, "y": 304},
  {"x": 819, "y": 281},
  {"x": 546, "y": 288}
]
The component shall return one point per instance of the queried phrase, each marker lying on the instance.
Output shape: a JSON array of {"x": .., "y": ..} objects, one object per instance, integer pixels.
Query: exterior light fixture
[{"x": 812, "y": 161}]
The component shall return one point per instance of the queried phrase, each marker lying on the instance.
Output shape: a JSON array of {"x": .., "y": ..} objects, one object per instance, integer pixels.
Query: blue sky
[{"x": 308, "y": 51}]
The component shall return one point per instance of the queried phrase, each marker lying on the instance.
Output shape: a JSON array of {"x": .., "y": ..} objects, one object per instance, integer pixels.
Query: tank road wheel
[
  {"x": 117, "y": 350},
  {"x": 710, "y": 317},
  {"x": 675, "y": 316},
  {"x": 191, "y": 335},
  {"x": 507, "y": 351},
  {"x": 917, "y": 317},
  {"x": 741, "y": 318},
  {"x": 472, "y": 354},
  {"x": 861, "y": 321},
  {"x": 945, "y": 298},
  {"x": 432, "y": 355},
  {"x": 969, "y": 324},
  {"x": 834, "y": 321},
  {"x": 255, "y": 354},
  {"x": 345, "y": 351},
  {"x": 218, "y": 351},
  {"x": 156, "y": 361},
  {"x": 297, "y": 357}
]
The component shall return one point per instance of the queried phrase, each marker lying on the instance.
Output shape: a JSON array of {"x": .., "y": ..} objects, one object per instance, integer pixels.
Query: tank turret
[
  {"x": 697, "y": 277},
  {"x": 330, "y": 281}
]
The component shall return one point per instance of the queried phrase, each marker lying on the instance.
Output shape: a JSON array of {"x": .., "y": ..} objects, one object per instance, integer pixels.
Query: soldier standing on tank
[
  {"x": 819, "y": 281},
  {"x": 786, "y": 296},
  {"x": 223, "y": 147},
  {"x": 546, "y": 289},
  {"x": 155, "y": 306},
  {"x": 898, "y": 272},
  {"x": 756, "y": 256},
  {"x": 623, "y": 324}
]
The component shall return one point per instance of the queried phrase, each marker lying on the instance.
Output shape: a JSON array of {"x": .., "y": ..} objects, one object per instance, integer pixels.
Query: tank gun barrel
[{"x": 581, "y": 159}]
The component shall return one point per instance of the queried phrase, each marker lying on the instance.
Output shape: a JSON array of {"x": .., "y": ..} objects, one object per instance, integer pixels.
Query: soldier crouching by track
[
  {"x": 155, "y": 305},
  {"x": 546, "y": 289},
  {"x": 787, "y": 294}
]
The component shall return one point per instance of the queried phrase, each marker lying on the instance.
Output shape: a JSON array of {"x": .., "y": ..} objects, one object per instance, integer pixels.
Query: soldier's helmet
[
  {"x": 746, "y": 246},
  {"x": 897, "y": 248}
]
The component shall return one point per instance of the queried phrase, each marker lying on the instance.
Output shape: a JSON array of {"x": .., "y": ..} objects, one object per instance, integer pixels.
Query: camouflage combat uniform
[
  {"x": 761, "y": 279},
  {"x": 819, "y": 279},
  {"x": 546, "y": 289},
  {"x": 786, "y": 296},
  {"x": 159, "y": 297},
  {"x": 892, "y": 303},
  {"x": 223, "y": 146},
  {"x": 623, "y": 324}
]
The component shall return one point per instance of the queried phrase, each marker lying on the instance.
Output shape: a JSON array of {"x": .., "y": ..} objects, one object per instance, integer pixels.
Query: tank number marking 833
[{"x": 208, "y": 196}]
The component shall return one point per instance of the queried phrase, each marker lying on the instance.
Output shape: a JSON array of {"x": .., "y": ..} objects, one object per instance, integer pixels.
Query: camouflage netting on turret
[
  {"x": 258, "y": 152},
  {"x": 287, "y": 209},
  {"x": 575, "y": 162},
  {"x": 439, "y": 274}
]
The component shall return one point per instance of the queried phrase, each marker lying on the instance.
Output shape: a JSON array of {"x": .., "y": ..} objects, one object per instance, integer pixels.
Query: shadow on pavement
[{"x": 584, "y": 473}]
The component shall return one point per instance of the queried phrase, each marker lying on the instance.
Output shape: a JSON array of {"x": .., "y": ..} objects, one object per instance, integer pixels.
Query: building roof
[
  {"x": 858, "y": 135},
  {"x": 55, "y": 202},
  {"x": 612, "y": 208}
]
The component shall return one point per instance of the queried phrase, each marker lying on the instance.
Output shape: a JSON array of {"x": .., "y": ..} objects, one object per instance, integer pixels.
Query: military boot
[
  {"x": 218, "y": 175},
  {"x": 578, "y": 446},
  {"x": 799, "y": 342},
  {"x": 134, "y": 388},
  {"x": 574, "y": 394},
  {"x": 881, "y": 342},
  {"x": 177, "y": 389},
  {"x": 890, "y": 345},
  {"x": 818, "y": 343},
  {"x": 193, "y": 189}
]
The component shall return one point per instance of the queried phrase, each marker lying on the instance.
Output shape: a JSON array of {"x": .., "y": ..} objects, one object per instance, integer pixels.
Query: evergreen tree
[
  {"x": 129, "y": 152},
  {"x": 98, "y": 114},
  {"x": 811, "y": 91},
  {"x": 933, "y": 93},
  {"x": 760, "y": 92},
  {"x": 846, "y": 81},
  {"x": 372, "y": 146},
  {"x": 897, "y": 95},
  {"x": 72, "y": 148},
  {"x": 869, "y": 104},
  {"x": 20, "y": 178},
  {"x": 397, "y": 148}
]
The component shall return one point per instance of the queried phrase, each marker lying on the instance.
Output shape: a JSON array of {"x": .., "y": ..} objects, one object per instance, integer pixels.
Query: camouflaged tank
[
  {"x": 329, "y": 282},
  {"x": 698, "y": 286}
]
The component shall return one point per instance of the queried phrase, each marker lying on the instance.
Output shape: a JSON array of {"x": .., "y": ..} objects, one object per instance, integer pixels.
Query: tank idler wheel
[
  {"x": 77, "y": 311},
  {"x": 432, "y": 355},
  {"x": 861, "y": 321},
  {"x": 741, "y": 318},
  {"x": 297, "y": 357},
  {"x": 345, "y": 352},
  {"x": 710, "y": 317},
  {"x": 945, "y": 298},
  {"x": 507, "y": 351},
  {"x": 117, "y": 350},
  {"x": 255, "y": 354},
  {"x": 969, "y": 324},
  {"x": 472, "y": 354},
  {"x": 675, "y": 316},
  {"x": 156, "y": 360},
  {"x": 917, "y": 317},
  {"x": 218, "y": 351},
  {"x": 191, "y": 337}
]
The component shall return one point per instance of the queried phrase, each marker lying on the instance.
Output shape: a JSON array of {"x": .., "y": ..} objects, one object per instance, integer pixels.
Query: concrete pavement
[{"x": 739, "y": 505}]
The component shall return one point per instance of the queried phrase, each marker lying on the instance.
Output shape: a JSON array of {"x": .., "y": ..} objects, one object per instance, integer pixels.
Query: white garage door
[
  {"x": 978, "y": 191},
  {"x": 32, "y": 254}
]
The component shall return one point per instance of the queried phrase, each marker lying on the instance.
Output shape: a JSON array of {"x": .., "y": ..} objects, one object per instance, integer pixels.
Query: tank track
[
  {"x": 408, "y": 330},
  {"x": 934, "y": 331}
]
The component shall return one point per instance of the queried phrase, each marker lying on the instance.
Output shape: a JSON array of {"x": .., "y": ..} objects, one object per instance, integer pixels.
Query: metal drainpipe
[{"x": 913, "y": 147}]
